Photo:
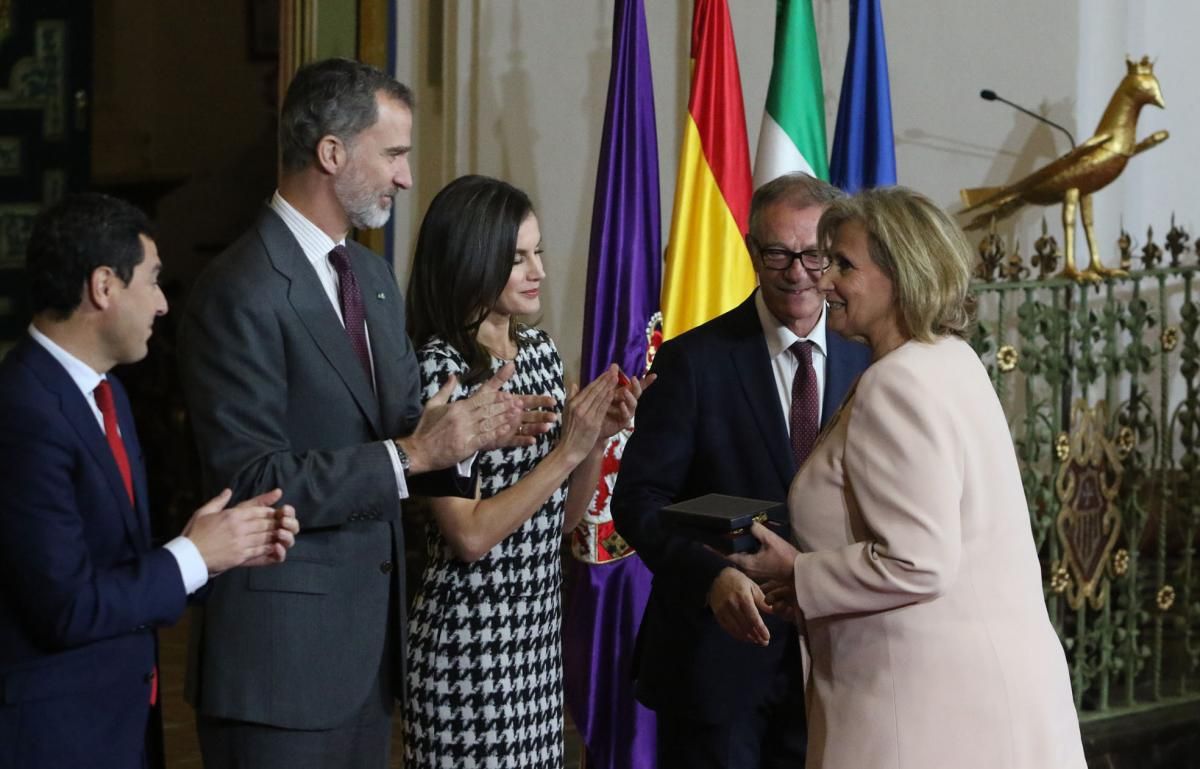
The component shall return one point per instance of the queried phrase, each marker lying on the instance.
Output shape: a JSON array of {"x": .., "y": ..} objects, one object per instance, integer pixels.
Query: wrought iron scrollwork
[{"x": 1114, "y": 497}]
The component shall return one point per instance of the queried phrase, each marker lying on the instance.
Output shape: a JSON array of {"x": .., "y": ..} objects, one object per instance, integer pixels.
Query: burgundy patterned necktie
[
  {"x": 803, "y": 422},
  {"x": 350, "y": 297}
]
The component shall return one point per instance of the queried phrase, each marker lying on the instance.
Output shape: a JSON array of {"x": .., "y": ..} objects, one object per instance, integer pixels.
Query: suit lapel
[
  {"x": 137, "y": 467},
  {"x": 312, "y": 306},
  {"x": 82, "y": 419},
  {"x": 390, "y": 346},
  {"x": 840, "y": 372},
  {"x": 752, "y": 364}
]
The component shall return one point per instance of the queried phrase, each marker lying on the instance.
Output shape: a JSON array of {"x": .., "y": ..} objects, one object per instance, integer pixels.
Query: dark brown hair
[{"x": 464, "y": 256}]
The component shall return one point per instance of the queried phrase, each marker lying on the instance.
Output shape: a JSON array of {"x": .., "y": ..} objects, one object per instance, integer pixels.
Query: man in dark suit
[
  {"x": 81, "y": 587},
  {"x": 298, "y": 374},
  {"x": 736, "y": 407}
]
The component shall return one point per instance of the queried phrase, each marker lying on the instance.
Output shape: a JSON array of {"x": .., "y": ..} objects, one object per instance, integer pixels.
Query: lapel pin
[{"x": 381, "y": 296}]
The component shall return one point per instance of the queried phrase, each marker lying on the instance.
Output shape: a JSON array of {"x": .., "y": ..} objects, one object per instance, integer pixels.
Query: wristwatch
[{"x": 405, "y": 462}]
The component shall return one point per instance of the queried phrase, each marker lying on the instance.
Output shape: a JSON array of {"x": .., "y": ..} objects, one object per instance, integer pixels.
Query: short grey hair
[
  {"x": 798, "y": 190},
  {"x": 332, "y": 97}
]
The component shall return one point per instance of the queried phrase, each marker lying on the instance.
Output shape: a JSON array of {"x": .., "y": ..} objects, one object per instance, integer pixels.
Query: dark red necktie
[
  {"x": 803, "y": 421},
  {"x": 108, "y": 409},
  {"x": 350, "y": 297}
]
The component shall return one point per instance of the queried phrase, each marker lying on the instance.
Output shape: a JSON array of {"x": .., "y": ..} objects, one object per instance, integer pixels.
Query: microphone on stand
[{"x": 989, "y": 95}]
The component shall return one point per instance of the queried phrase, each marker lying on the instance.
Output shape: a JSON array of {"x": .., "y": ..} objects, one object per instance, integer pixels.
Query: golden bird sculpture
[{"x": 1073, "y": 178}]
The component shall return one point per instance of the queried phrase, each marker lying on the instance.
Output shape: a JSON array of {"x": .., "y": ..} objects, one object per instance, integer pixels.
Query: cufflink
[{"x": 381, "y": 296}]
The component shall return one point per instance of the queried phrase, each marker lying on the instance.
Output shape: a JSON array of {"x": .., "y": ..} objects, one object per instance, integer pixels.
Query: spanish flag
[{"x": 707, "y": 270}]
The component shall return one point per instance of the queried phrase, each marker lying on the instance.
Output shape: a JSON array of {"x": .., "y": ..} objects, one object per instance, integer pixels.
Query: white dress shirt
[
  {"x": 780, "y": 338},
  {"x": 192, "y": 569}
]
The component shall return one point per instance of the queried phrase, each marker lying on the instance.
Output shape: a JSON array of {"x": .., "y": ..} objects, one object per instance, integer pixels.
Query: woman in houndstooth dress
[{"x": 484, "y": 670}]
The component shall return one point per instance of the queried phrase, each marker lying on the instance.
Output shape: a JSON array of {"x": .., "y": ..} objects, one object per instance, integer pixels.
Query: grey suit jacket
[{"x": 278, "y": 398}]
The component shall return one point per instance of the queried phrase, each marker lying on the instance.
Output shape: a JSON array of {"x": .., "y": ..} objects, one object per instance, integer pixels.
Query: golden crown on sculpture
[{"x": 1073, "y": 178}]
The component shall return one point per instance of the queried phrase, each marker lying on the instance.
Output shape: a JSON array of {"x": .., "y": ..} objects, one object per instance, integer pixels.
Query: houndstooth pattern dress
[{"x": 484, "y": 659}]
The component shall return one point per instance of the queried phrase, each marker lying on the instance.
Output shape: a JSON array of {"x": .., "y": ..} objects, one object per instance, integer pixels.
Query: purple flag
[
  {"x": 625, "y": 258},
  {"x": 611, "y": 584}
]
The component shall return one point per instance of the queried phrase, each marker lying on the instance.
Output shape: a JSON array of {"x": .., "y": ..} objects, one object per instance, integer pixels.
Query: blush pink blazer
[{"x": 926, "y": 633}]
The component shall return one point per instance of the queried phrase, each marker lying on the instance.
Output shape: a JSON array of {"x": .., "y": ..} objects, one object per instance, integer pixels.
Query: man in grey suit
[{"x": 298, "y": 374}]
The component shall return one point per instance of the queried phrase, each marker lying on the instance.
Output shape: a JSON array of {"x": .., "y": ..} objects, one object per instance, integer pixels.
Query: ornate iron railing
[{"x": 1101, "y": 384}]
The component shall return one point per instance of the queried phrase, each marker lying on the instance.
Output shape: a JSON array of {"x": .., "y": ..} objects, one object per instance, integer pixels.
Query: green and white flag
[{"x": 792, "y": 137}]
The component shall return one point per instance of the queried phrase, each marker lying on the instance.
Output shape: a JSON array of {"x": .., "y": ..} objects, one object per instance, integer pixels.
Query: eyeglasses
[{"x": 780, "y": 258}]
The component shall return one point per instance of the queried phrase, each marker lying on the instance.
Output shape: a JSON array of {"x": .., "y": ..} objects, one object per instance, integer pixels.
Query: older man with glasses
[{"x": 736, "y": 409}]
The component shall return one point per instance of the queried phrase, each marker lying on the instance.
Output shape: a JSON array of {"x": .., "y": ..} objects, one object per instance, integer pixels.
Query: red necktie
[
  {"x": 108, "y": 410},
  {"x": 104, "y": 399},
  {"x": 350, "y": 297},
  {"x": 802, "y": 421}
]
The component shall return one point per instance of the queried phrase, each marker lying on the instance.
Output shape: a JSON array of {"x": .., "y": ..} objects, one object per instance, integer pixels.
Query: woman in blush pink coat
[{"x": 916, "y": 583}]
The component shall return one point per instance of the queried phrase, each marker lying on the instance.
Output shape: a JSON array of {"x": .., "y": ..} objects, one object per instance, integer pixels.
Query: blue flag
[{"x": 864, "y": 153}]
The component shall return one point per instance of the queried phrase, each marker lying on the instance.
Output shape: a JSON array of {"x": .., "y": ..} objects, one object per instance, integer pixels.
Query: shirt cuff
[
  {"x": 397, "y": 469},
  {"x": 464, "y": 467},
  {"x": 191, "y": 564}
]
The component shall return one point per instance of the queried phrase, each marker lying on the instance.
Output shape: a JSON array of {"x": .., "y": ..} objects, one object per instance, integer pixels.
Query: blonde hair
[{"x": 920, "y": 248}]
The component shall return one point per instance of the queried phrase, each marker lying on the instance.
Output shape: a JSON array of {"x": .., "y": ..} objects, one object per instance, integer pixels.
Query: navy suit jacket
[
  {"x": 81, "y": 588},
  {"x": 711, "y": 423}
]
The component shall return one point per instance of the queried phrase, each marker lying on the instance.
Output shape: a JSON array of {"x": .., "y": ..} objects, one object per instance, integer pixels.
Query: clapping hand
[
  {"x": 585, "y": 416},
  {"x": 624, "y": 403},
  {"x": 537, "y": 417},
  {"x": 448, "y": 433},
  {"x": 251, "y": 533},
  {"x": 286, "y": 528}
]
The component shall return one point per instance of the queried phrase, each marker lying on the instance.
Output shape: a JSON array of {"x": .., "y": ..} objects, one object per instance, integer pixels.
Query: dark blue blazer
[
  {"x": 81, "y": 588},
  {"x": 711, "y": 423}
]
